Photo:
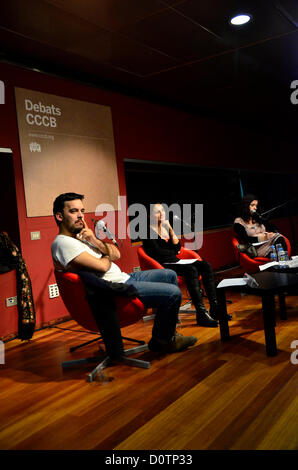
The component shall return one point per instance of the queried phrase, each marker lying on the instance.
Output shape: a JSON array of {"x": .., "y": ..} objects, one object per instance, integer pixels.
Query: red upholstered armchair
[
  {"x": 251, "y": 265},
  {"x": 146, "y": 262},
  {"x": 72, "y": 291}
]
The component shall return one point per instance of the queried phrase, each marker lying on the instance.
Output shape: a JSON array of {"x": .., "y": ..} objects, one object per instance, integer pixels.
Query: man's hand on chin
[{"x": 86, "y": 233}]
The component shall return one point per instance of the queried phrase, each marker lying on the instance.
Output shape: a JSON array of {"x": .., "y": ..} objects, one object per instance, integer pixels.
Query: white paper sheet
[
  {"x": 236, "y": 281},
  {"x": 185, "y": 261},
  {"x": 262, "y": 267},
  {"x": 293, "y": 263}
]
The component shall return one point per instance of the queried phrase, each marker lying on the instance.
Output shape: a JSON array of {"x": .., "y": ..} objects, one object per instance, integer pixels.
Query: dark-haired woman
[
  {"x": 163, "y": 245},
  {"x": 250, "y": 227}
]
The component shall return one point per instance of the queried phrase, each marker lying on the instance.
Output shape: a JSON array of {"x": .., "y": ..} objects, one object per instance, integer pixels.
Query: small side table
[{"x": 269, "y": 285}]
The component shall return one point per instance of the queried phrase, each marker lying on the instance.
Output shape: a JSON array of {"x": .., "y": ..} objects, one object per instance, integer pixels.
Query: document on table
[
  {"x": 292, "y": 263},
  {"x": 236, "y": 281},
  {"x": 247, "y": 280},
  {"x": 262, "y": 267}
]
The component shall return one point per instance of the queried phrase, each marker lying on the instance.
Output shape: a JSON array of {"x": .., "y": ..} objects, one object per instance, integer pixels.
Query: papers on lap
[
  {"x": 185, "y": 261},
  {"x": 258, "y": 243}
]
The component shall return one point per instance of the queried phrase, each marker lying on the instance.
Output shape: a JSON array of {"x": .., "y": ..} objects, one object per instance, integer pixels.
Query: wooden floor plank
[{"x": 213, "y": 396}]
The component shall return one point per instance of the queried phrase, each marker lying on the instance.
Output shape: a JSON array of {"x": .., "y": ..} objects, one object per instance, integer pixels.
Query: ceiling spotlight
[{"x": 239, "y": 20}]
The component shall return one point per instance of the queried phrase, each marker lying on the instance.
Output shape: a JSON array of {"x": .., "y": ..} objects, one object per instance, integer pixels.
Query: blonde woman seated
[
  {"x": 251, "y": 228},
  {"x": 165, "y": 248}
]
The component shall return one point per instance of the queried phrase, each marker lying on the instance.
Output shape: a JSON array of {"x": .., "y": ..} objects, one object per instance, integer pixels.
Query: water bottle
[
  {"x": 273, "y": 255},
  {"x": 281, "y": 257}
]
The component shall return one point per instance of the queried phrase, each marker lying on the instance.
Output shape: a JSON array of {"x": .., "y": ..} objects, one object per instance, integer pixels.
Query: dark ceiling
[{"x": 183, "y": 53}]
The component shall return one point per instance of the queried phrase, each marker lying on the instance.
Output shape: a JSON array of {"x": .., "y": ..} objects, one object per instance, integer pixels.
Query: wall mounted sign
[{"x": 66, "y": 146}]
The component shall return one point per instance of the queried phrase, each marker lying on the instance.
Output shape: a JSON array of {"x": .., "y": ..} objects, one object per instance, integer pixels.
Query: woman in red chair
[
  {"x": 250, "y": 227},
  {"x": 163, "y": 245}
]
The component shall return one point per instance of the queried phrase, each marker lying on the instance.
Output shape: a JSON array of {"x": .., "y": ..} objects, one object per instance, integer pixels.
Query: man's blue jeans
[{"x": 158, "y": 288}]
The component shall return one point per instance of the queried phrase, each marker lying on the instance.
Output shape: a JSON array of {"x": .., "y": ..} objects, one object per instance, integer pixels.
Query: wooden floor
[{"x": 213, "y": 396}]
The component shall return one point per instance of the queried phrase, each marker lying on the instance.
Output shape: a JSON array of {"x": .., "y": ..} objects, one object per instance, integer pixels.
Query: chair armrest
[
  {"x": 262, "y": 259},
  {"x": 188, "y": 254},
  {"x": 146, "y": 262}
]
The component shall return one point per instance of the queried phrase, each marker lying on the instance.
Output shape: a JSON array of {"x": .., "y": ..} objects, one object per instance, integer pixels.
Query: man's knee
[
  {"x": 170, "y": 276},
  {"x": 174, "y": 294}
]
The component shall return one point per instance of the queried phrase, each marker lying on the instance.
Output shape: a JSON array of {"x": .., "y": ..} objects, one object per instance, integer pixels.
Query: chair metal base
[
  {"x": 98, "y": 338},
  {"x": 106, "y": 360},
  {"x": 73, "y": 348}
]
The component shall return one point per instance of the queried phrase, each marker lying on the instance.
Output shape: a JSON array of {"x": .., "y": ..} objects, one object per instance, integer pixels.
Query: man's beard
[{"x": 76, "y": 230}]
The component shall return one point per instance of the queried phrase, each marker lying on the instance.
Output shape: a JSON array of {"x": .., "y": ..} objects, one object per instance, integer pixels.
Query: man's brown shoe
[{"x": 178, "y": 343}]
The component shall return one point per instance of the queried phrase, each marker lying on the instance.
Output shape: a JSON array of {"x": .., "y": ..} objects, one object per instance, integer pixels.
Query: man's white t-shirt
[{"x": 65, "y": 249}]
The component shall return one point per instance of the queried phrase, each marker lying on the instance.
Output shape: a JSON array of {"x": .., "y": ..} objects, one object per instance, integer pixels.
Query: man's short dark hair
[{"x": 58, "y": 205}]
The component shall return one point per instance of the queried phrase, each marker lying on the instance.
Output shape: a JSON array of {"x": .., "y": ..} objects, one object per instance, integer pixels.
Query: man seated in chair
[{"x": 76, "y": 249}]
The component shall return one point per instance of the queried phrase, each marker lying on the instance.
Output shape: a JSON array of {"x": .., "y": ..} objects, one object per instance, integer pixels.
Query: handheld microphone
[
  {"x": 100, "y": 225},
  {"x": 180, "y": 220}
]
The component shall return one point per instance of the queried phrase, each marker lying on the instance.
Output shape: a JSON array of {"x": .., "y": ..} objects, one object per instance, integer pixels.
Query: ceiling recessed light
[{"x": 238, "y": 20}]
